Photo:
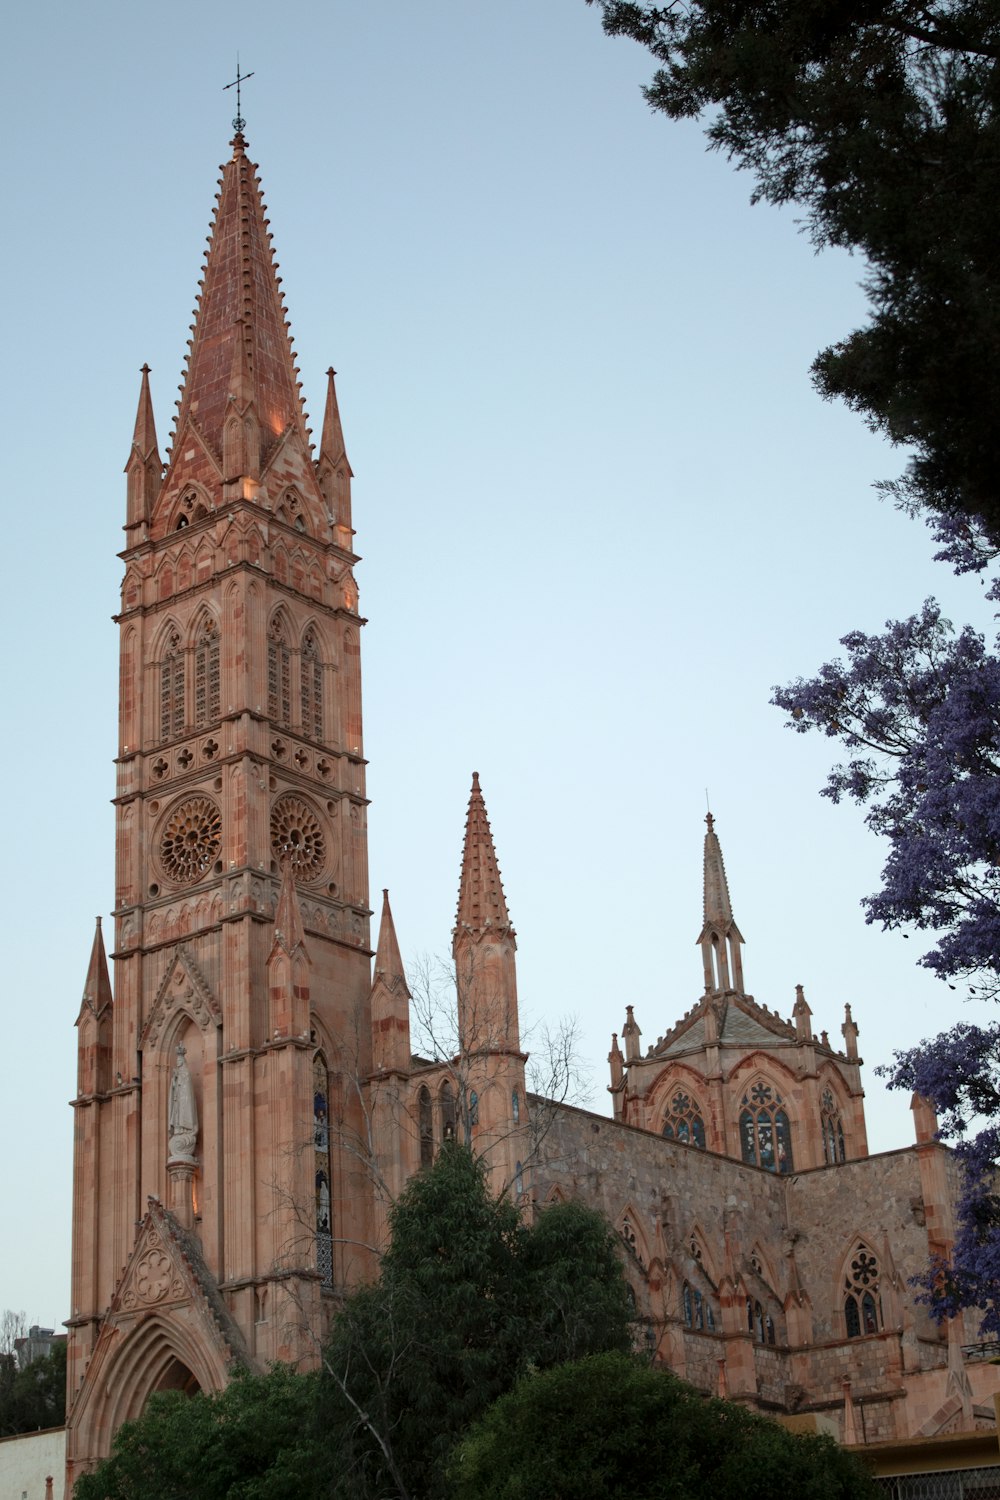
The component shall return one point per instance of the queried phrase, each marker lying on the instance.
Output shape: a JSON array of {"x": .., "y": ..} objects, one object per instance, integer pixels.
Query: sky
[{"x": 601, "y": 510}]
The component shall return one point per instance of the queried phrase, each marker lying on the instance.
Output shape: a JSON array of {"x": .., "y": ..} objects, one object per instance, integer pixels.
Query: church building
[{"x": 248, "y": 1101}]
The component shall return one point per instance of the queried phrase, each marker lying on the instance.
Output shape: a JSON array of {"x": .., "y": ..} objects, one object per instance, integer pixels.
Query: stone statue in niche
[{"x": 183, "y": 1114}]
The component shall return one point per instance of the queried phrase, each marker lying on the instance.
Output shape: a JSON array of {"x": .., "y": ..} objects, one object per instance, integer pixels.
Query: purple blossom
[{"x": 918, "y": 711}]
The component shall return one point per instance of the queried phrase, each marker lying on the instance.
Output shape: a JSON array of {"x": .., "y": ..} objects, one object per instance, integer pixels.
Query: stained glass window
[
  {"x": 684, "y": 1121},
  {"x": 321, "y": 1150},
  {"x": 312, "y": 687},
  {"x": 172, "y": 689},
  {"x": 862, "y": 1298},
  {"x": 832, "y": 1129},
  {"x": 765, "y": 1133},
  {"x": 206, "y": 675}
]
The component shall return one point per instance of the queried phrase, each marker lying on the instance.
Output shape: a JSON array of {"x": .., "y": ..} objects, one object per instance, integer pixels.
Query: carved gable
[{"x": 183, "y": 988}]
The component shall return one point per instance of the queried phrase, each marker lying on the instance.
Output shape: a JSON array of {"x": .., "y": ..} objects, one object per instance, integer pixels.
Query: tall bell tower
[{"x": 213, "y": 1207}]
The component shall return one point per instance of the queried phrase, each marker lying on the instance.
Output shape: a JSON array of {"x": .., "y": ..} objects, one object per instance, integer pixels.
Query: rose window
[
  {"x": 191, "y": 840},
  {"x": 296, "y": 835}
]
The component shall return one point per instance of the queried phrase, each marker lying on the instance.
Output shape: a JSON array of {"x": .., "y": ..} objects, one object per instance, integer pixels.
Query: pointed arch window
[
  {"x": 765, "y": 1133},
  {"x": 447, "y": 1112},
  {"x": 862, "y": 1295},
  {"x": 206, "y": 675},
  {"x": 425, "y": 1122},
  {"x": 515, "y": 1106},
  {"x": 684, "y": 1121},
  {"x": 172, "y": 689},
  {"x": 473, "y": 1108},
  {"x": 279, "y": 676},
  {"x": 312, "y": 687},
  {"x": 832, "y": 1128},
  {"x": 321, "y": 1152}
]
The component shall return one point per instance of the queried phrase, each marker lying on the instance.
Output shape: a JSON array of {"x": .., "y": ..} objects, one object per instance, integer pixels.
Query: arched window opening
[
  {"x": 206, "y": 675},
  {"x": 758, "y": 1322},
  {"x": 518, "y": 1180},
  {"x": 279, "y": 676},
  {"x": 447, "y": 1112},
  {"x": 515, "y": 1106},
  {"x": 426, "y": 1125},
  {"x": 687, "y": 1305},
  {"x": 172, "y": 689},
  {"x": 312, "y": 687},
  {"x": 684, "y": 1123},
  {"x": 765, "y": 1133},
  {"x": 862, "y": 1297},
  {"x": 769, "y": 1328},
  {"x": 473, "y": 1108},
  {"x": 832, "y": 1129},
  {"x": 321, "y": 1150}
]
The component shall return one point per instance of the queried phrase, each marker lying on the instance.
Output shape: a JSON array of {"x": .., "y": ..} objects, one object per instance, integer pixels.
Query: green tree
[
  {"x": 256, "y": 1440},
  {"x": 468, "y": 1298},
  {"x": 34, "y": 1397},
  {"x": 610, "y": 1428},
  {"x": 880, "y": 121}
]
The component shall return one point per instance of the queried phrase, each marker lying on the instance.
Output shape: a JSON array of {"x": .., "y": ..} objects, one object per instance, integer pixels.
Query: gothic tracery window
[
  {"x": 447, "y": 1112},
  {"x": 684, "y": 1122},
  {"x": 426, "y": 1126},
  {"x": 172, "y": 689},
  {"x": 321, "y": 1150},
  {"x": 311, "y": 670},
  {"x": 862, "y": 1298},
  {"x": 279, "y": 676},
  {"x": 697, "y": 1309},
  {"x": 765, "y": 1134},
  {"x": 206, "y": 675},
  {"x": 832, "y": 1129}
]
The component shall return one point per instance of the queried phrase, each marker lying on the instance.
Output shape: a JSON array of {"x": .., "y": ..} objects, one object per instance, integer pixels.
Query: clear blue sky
[{"x": 601, "y": 510}]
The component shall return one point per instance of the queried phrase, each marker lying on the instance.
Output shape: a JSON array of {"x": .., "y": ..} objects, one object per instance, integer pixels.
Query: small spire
[
  {"x": 631, "y": 1034},
  {"x": 288, "y": 930},
  {"x": 332, "y": 442},
  {"x": 801, "y": 1014},
  {"x": 718, "y": 907},
  {"x": 720, "y": 938},
  {"x": 849, "y": 1031},
  {"x": 481, "y": 902},
  {"x": 144, "y": 435},
  {"x": 97, "y": 986},
  {"x": 388, "y": 963},
  {"x": 390, "y": 1000},
  {"x": 616, "y": 1061}
]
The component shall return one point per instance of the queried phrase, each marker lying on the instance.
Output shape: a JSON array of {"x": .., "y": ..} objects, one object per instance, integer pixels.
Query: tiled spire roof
[
  {"x": 481, "y": 900},
  {"x": 241, "y": 303}
]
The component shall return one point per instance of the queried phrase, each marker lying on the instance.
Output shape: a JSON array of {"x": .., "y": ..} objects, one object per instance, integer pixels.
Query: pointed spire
[
  {"x": 144, "y": 469},
  {"x": 720, "y": 937},
  {"x": 144, "y": 435},
  {"x": 801, "y": 1014},
  {"x": 332, "y": 442},
  {"x": 289, "y": 933},
  {"x": 718, "y": 908},
  {"x": 849, "y": 1031},
  {"x": 388, "y": 963},
  {"x": 616, "y": 1062},
  {"x": 241, "y": 301},
  {"x": 481, "y": 902},
  {"x": 97, "y": 986},
  {"x": 632, "y": 1035},
  {"x": 390, "y": 1000}
]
